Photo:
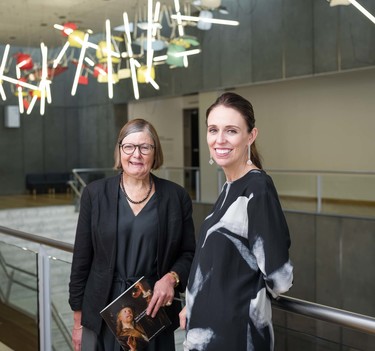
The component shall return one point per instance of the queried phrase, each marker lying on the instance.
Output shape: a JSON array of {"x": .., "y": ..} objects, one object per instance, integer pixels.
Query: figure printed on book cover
[
  {"x": 126, "y": 317},
  {"x": 129, "y": 334}
]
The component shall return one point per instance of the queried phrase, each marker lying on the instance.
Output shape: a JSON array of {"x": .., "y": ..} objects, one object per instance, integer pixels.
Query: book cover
[{"x": 126, "y": 317}]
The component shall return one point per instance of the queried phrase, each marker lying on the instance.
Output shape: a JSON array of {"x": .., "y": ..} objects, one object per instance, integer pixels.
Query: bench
[{"x": 52, "y": 182}]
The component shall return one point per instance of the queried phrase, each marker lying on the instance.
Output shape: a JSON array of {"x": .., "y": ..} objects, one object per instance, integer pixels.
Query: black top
[
  {"x": 95, "y": 247},
  {"x": 136, "y": 241},
  {"x": 136, "y": 257},
  {"x": 241, "y": 259}
]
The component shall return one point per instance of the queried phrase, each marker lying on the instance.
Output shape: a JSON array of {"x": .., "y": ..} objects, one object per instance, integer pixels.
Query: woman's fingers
[
  {"x": 162, "y": 296},
  {"x": 182, "y": 316}
]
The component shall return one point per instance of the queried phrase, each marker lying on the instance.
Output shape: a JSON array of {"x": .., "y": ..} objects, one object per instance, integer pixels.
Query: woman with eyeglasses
[{"x": 130, "y": 225}]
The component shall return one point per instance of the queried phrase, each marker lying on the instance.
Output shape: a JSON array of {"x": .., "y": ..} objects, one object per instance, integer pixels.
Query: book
[{"x": 127, "y": 319}]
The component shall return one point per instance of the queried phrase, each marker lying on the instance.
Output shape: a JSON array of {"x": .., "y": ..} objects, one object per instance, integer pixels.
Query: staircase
[{"x": 55, "y": 222}]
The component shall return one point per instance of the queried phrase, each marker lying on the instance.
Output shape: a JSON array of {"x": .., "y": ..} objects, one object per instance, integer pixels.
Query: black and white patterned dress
[{"x": 241, "y": 259}]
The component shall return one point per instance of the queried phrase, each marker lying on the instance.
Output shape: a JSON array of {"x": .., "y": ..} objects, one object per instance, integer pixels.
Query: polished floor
[
  {"x": 26, "y": 337},
  {"x": 29, "y": 200}
]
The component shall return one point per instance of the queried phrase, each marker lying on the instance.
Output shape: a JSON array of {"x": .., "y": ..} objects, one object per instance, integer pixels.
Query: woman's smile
[{"x": 222, "y": 151}]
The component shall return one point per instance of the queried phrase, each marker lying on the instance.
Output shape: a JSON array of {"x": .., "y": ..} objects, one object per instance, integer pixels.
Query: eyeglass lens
[{"x": 144, "y": 149}]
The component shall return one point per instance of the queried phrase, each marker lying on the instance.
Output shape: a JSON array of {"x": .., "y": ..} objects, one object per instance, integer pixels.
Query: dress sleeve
[{"x": 270, "y": 240}]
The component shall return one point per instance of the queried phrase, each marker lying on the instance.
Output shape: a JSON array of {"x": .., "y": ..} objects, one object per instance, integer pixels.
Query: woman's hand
[
  {"x": 77, "y": 331},
  {"x": 77, "y": 338},
  {"x": 163, "y": 294},
  {"x": 182, "y": 316}
]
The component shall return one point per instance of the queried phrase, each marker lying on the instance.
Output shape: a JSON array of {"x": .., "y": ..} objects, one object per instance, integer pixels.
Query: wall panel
[
  {"x": 298, "y": 47},
  {"x": 267, "y": 47},
  {"x": 325, "y": 32}
]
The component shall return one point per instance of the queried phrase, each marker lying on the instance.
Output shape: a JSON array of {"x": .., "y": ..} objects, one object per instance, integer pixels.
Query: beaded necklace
[{"x": 127, "y": 196}]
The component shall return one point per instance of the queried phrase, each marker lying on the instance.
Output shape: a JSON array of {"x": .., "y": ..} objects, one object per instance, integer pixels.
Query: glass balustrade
[
  {"x": 297, "y": 332},
  {"x": 18, "y": 278},
  {"x": 350, "y": 193},
  {"x": 344, "y": 192},
  {"x": 19, "y": 289},
  {"x": 62, "y": 316},
  {"x": 19, "y": 295}
]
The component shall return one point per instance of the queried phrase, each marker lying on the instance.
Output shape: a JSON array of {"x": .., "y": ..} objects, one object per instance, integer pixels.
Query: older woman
[{"x": 130, "y": 225}]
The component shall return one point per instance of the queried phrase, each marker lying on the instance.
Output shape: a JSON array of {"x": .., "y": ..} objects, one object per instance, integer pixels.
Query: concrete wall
[
  {"x": 63, "y": 139},
  {"x": 316, "y": 123},
  {"x": 333, "y": 258},
  {"x": 276, "y": 40}
]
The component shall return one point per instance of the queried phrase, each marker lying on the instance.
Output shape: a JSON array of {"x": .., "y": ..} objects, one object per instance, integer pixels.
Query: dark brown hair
[
  {"x": 244, "y": 107},
  {"x": 135, "y": 126}
]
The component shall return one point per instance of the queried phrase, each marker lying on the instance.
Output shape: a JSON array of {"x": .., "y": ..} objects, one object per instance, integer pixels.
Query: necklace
[{"x": 127, "y": 196}]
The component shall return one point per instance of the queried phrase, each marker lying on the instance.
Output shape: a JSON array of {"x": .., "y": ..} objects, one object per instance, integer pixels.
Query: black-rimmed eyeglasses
[{"x": 144, "y": 149}]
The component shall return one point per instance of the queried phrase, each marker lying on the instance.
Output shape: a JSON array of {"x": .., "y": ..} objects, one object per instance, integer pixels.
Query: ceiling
[{"x": 30, "y": 22}]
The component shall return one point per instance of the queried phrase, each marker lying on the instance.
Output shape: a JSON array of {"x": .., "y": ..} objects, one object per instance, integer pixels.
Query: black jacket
[{"x": 94, "y": 256}]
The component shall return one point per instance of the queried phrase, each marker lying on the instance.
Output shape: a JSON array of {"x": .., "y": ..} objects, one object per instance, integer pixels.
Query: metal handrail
[
  {"x": 76, "y": 172},
  {"x": 340, "y": 317},
  {"x": 317, "y": 173},
  {"x": 61, "y": 245},
  {"x": 356, "y": 172},
  {"x": 326, "y": 313},
  {"x": 78, "y": 183}
]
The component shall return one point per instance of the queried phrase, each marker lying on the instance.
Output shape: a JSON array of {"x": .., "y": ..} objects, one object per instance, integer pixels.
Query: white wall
[
  {"x": 167, "y": 117},
  {"x": 316, "y": 123},
  {"x": 321, "y": 123}
]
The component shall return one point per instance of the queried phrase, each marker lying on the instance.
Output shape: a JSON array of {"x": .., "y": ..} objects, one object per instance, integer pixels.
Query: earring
[
  {"x": 211, "y": 161},
  {"x": 249, "y": 162}
]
